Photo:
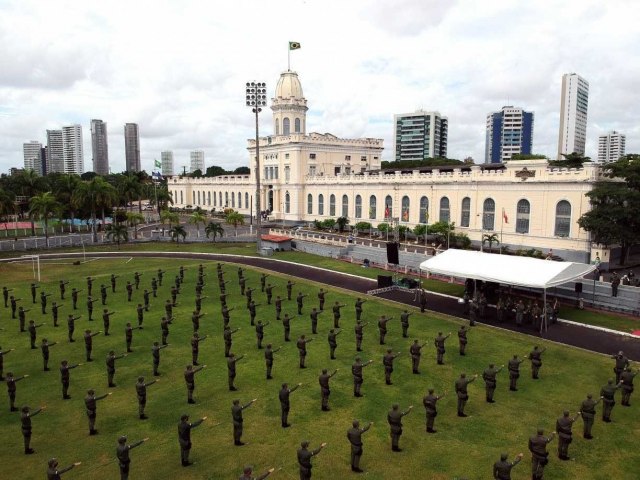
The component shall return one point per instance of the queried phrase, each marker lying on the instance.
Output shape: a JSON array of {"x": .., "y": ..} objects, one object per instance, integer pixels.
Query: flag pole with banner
[
  {"x": 503, "y": 220},
  {"x": 292, "y": 46}
]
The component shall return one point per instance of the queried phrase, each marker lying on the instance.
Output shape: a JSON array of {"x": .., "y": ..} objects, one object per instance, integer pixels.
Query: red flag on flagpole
[
  {"x": 386, "y": 212},
  {"x": 504, "y": 215}
]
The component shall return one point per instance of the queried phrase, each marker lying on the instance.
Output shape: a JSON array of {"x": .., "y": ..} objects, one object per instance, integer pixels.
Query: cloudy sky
[{"x": 178, "y": 69}]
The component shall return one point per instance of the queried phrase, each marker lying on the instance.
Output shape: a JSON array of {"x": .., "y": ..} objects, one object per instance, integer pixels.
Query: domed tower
[{"x": 289, "y": 106}]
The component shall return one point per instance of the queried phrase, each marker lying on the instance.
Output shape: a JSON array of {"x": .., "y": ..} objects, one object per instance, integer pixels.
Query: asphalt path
[{"x": 575, "y": 335}]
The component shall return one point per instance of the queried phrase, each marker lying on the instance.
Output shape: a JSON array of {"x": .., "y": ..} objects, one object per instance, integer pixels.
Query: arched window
[
  {"x": 198, "y": 198},
  {"x": 373, "y": 202},
  {"x": 193, "y": 199},
  {"x": 287, "y": 203},
  {"x": 226, "y": 199},
  {"x": 424, "y": 210},
  {"x": 246, "y": 200},
  {"x": 309, "y": 204},
  {"x": 209, "y": 198},
  {"x": 445, "y": 211},
  {"x": 358, "y": 206},
  {"x": 563, "y": 219},
  {"x": 522, "y": 216},
  {"x": 233, "y": 200},
  {"x": 181, "y": 198},
  {"x": 296, "y": 124},
  {"x": 239, "y": 200},
  {"x": 332, "y": 205},
  {"x": 388, "y": 207},
  {"x": 277, "y": 127},
  {"x": 220, "y": 199},
  {"x": 215, "y": 199},
  {"x": 405, "y": 208},
  {"x": 286, "y": 126},
  {"x": 345, "y": 206},
  {"x": 465, "y": 214},
  {"x": 321, "y": 204},
  {"x": 488, "y": 214}
]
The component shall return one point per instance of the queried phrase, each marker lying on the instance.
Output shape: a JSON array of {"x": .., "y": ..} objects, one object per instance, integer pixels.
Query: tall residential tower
[
  {"x": 72, "y": 149},
  {"x": 132, "y": 147},
  {"x": 32, "y": 152},
  {"x": 574, "y": 104},
  {"x": 166, "y": 158},
  {"x": 55, "y": 156},
  {"x": 611, "y": 147},
  {"x": 197, "y": 161},
  {"x": 420, "y": 135},
  {"x": 99, "y": 147},
  {"x": 509, "y": 131}
]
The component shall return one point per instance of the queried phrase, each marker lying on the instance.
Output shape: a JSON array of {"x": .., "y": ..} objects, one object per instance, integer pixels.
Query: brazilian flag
[{"x": 294, "y": 45}]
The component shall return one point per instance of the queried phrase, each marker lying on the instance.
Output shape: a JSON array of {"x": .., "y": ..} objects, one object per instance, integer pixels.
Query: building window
[
  {"x": 193, "y": 199},
  {"x": 287, "y": 203},
  {"x": 277, "y": 127},
  {"x": 287, "y": 173},
  {"x": 312, "y": 156},
  {"x": 345, "y": 206},
  {"x": 181, "y": 198},
  {"x": 220, "y": 199},
  {"x": 209, "y": 198},
  {"x": 332, "y": 205},
  {"x": 233, "y": 200},
  {"x": 226, "y": 199},
  {"x": 466, "y": 212},
  {"x": 297, "y": 125},
  {"x": 405, "y": 208},
  {"x": 373, "y": 201},
  {"x": 445, "y": 211},
  {"x": 198, "y": 198},
  {"x": 358, "y": 206},
  {"x": 347, "y": 158},
  {"x": 312, "y": 170},
  {"x": 246, "y": 200},
  {"x": 286, "y": 155},
  {"x": 215, "y": 199},
  {"x": 239, "y": 200},
  {"x": 276, "y": 172},
  {"x": 522, "y": 216},
  {"x": 309, "y": 204},
  {"x": 388, "y": 207},
  {"x": 363, "y": 158},
  {"x": 488, "y": 214},
  {"x": 321, "y": 204},
  {"x": 286, "y": 126},
  {"x": 563, "y": 219},
  {"x": 424, "y": 210}
]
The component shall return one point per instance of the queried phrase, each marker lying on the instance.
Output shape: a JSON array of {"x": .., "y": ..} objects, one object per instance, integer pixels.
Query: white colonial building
[{"x": 309, "y": 176}]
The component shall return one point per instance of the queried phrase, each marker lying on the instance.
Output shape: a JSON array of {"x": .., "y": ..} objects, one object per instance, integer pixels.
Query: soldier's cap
[
  {"x": 610, "y": 381},
  {"x": 503, "y": 456},
  {"x": 184, "y": 417},
  {"x": 44, "y": 340},
  {"x": 566, "y": 413},
  {"x": 304, "y": 443},
  {"x": 87, "y": 331},
  {"x": 491, "y": 365},
  {"x": 540, "y": 431},
  {"x": 248, "y": 469},
  {"x": 10, "y": 374},
  {"x": 236, "y": 401},
  {"x": 284, "y": 385},
  {"x": 141, "y": 379},
  {"x": 122, "y": 439},
  {"x": 463, "y": 375},
  {"x": 63, "y": 362},
  {"x": 589, "y": 395},
  {"x": 90, "y": 392},
  {"x": 53, "y": 462},
  {"x": 324, "y": 370},
  {"x": 389, "y": 350},
  {"x": 357, "y": 359},
  {"x": 395, "y": 406},
  {"x": 356, "y": 423},
  {"x": 25, "y": 408}
]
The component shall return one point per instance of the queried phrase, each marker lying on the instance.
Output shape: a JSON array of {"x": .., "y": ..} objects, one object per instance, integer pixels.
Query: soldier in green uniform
[
  {"x": 223, "y": 299},
  {"x": 89, "y": 285},
  {"x": 333, "y": 342},
  {"x": 461, "y": 391},
  {"x": 285, "y": 391},
  {"x": 63, "y": 287},
  {"x": 514, "y": 372},
  {"x": 168, "y": 309},
  {"x": 122, "y": 454},
  {"x": 54, "y": 312},
  {"x": 248, "y": 474},
  {"x": 240, "y": 273},
  {"x": 278, "y": 304},
  {"x": 88, "y": 343},
  {"x": 128, "y": 333},
  {"x": 45, "y": 352},
  {"x": 136, "y": 279},
  {"x": 290, "y": 285},
  {"x": 32, "y": 333},
  {"x": 140, "y": 312},
  {"x": 489, "y": 377},
  {"x": 462, "y": 339},
  {"x": 71, "y": 326},
  {"x": 226, "y": 318},
  {"x": 65, "y": 377},
  {"x": 538, "y": 448},
  {"x": 106, "y": 320},
  {"x": 195, "y": 347},
  {"x": 154, "y": 287},
  {"x": 11, "y": 389},
  {"x": 184, "y": 437},
  {"x": 429, "y": 401},
  {"x": 141, "y": 393},
  {"x": 189, "y": 378},
  {"x": 249, "y": 295},
  {"x": 111, "y": 366},
  {"x": 160, "y": 274},
  {"x": 359, "y": 331},
  {"x": 113, "y": 282},
  {"x": 25, "y": 419},
  {"x": 286, "y": 323},
  {"x": 103, "y": 293},
  {"x": 356, "y": 370},
  {"x": 181, "y": 273},
  {"x": 415, "y": 353},
  {"x": 439, "y": 344},
  {"x": 502, "y": 468},
  {"x": 299, "y": 301},
  {"x": 198, "y": 301},
  {"x": 314, "y": 320},
  {"x": 34, "y": 288},
  {"x": 387, "y": 361},
  {"x": 260, "y": 332},
  {"x": 268, "y": 357},
  {"x": 243, "y": 285},
  {"x": 304, "y": 459},
  {"x": 536, "y": 361},
  {"x": 336, "y": 314},
  {"x": 325, "y": 391},
  {"x": 231, "y": 370},
  {"x": 394, "y": 418},
  {"x": 5, "y": 295},
  {"x": 236, "y": 415},
  {"x": 252, "y": 311},
  {"x": 22, "y": 317},
  {"x": 354, "y": 435},
  {"x": 129, "y": 289},
  {"x": 382, "y": 327},
  {"x": 269, "y": 292},
  {"x": 91, "y": 406},
  {"x": 321, "y": 297},
  {"x": 608, "y": 394},
  {"x": 155, "y": 353},
  {"x": 626, "y": 379},
  {"x": 564, "y": 425},
  {"x": 228, "y": 339},
  {"x": 359, "y": 303},
  {"x": 90, "y": 302},
  {"x": 14, "y": 305},
  {"x": 146, "y": 296},
  {"x": 53, "y": 472},
  {"x": 263, "y": 281},
  {"x": 164, "y": 326},
  {"x": 622, "y": 362},
  {"x": 404, "y": 321},
  {"x": 2, "y": 354},
  {"x": 588, "y": 413}
]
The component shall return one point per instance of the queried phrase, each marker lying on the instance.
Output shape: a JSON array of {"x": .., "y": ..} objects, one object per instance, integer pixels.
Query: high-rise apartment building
[
  {"x": 55, "y": 157},
  {"x": 32, "y": 152},
  {"x": 611, "y": 147},
  {"x": 166, "y": 158},
  {"x": 197, "y": 161},
  {"x": 574, "y": 104},
  {"x": 132, "y": 147},
  {"x": 420, "y": 135},
  {"x": 99, "y": 147},
  {"x": 72, "y": 149},
  {"x": 509, "y": 131}
]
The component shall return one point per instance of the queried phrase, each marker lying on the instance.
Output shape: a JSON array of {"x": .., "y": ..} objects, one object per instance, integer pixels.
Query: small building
[{"x": 278, "y": 243}]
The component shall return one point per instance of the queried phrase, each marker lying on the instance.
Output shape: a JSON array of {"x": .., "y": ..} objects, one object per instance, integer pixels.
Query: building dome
[{"x": 289, "y": 86}]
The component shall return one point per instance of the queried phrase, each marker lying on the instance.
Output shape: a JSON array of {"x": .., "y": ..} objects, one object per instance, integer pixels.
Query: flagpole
[
  {"x": 501, "y": 225},
  {"x": 288, "y": 57}
]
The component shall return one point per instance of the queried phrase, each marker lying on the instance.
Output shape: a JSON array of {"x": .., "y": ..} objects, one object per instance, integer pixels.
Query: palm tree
[
  {"x": 31, "y": 184},
  {"x": 197, "y": 218},
  {"x": 490, "y": 238},
  {"x": 234, "y": 218},
  {"x": 116, "y": 232},
  {"x": 168, "y": 217},
  {"x": 43, "y": 206},
  {"x": 130, "y": 189},
  {"x": 7, "y": 205},
  {"x": 215, "y": 229},
  {"x": 342, "y": 222},
  {"x": 64, "y": 187},
  {"x": 134, "y": 219},
  {"x": 177, "y": 232},
  {"x": 163, "y": 197}
]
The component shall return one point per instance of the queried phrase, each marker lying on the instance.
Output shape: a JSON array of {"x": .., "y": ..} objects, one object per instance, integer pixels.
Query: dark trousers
[
  {"x": 65, "y": 390},
  {"x": 537, "y": 468},
  {"x": 463, "y": 346},
  {"x": 185, "y": 449},
  {"x": 284, "y": 416},
  {"x": 302, "y": 359},
  {"x": 356, "y": 453},
  {"x": 190, "y": 389},
  {"x": 12, "y": 401},
  {"x": 415, "y": 363},
  {"x": 227, "y": 349},
  {"x": 92, "y": 422},
  {"x": 588, "y": 425},
  {"x": 387, "y": 375},
  {"x": 110, "y": 376},
  {"x": 231, "y": 380},
  {"x": 299, "y": 309},
  {"x": 314, "y": 327},
  {"x": 269, "y": 366},
  {"x": 155, "y": 368},
  {"x": 490, "y": 390},
  {"x": 325, "y": 398},
  {"x": 260, "y": 337},
  {"x": 27, "y": 441},
  {"x": 142, "y": 403},
  {"x": 563, "y": 447},
  {"x": 88, "y": 351},
  {"x": 395, "y": 440},
  {"x": 430, "y": 420},
  {"x": 332, "y": 350},
  {"x": 382, "y": 335},
  {"x": 237, "y": 432},
  {"x": 358, "y": 343},
  {"x": 357, "y": 384},
  {"x": 534, "y": 370},
  {"x": 606, "y": 411},
  {"x": 461, "y": 403},
  {"x": 358, "y": 313},
  {"x": 124, "y": 471},
  {"x": 513, "y": 380},
  {"x": 286, "y": 334},
  {"x": 405, "y": 331},
  {"x": 440, "y": 357},
  {"x": 626, "y": 397}
]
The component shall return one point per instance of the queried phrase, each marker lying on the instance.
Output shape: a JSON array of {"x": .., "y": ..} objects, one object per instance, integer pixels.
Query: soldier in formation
[
  {"x": 489, "y": 377},
  {"x": 45, "y": 352},
  {"x": 53, "y": 472},
  {"x": 429, "y": 402},
  {"x": 111, "y": 366},
  {"x": 248, "y": 474},
  {"x": 514, "y": 372},
  {"x": 622, "y": 362},
  {"x": 336, "y": 314},
  {"x": 608, "y": 394},
  {"x": 588, "y": 413},
  {"x": 260, "y": 332},
  {"x": 155, "y": 353},
  {"x": 356, "y": 370},
  {"x": 359, "y": 331},
  {"x": 189, "y": 378},
  {"x": 283, "y": 395},
  {"x": 314, "y": 320},
  {"x": 141, "y": 393},
  {"x": 55, "y": 308},
  {"x": 290, "y": 285},
  {"x": 122, "y": 454},
  {"x": 90, "y": 402},
  {"x": 2, "y": 354},
  {"x": 286, "y": 324},
  {"x": 71, "y": 326},
  {"x": 415, "y": 353},
  {"x": 228, "y": 339},
  {"x": 184, "y": 437},
  {"x": 300, "y": 301},
  {"x": 394, "y": 418},
  {"x": 63, "y": 287},
  {"x": 106, "y": 320},
  {"x": 32, "y": 333},
  {"x": 440, "y": 349},
  {"x": 461, "y": 391},
  {"x": 268, "y": 357},
  {"x": 25, "y": 419},
  {"x": 626, "y": 379},
  {"x": 195, "y": 347},
  {"x": 65, "y": 377},
  {"x": 128, "y": 334},
  {"x": 333, "y": 342},
  {"x": 11, "y": 389},
  {"x": 236, "y": 415},
  {"x": 359, "y": 303},
  {"x": 564, "y": 426},
  {"x": 538, "y": 448},
  {"x": 382, "y": 327},
  {"x": 321, "y": 298},
  {"x": 502, "y": 468},
  {"x": 387, "y": 361},
  {"x": 231, "y": 369},
  {"x": 462, "y": 339},
  {"x": 103, "y": 294},
  {"x": 304, "y": 459},
  {"x": 354, "y": 435},
  {"x": 325, "y": 391},
  {"x": 536, "y": 361}
]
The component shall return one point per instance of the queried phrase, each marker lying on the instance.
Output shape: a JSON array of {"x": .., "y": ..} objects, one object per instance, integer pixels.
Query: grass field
[{"x": 462, "y": 447}]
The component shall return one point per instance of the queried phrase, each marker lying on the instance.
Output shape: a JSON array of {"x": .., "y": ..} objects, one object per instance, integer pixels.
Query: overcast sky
[{"x": 178, "y": 69}]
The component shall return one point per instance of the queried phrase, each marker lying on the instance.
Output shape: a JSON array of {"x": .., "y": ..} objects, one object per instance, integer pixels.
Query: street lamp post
[{"x": 256, "y": 93}]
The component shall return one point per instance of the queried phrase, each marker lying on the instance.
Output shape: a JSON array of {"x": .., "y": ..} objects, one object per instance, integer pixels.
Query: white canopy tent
[{"x": 505, "y": 269}]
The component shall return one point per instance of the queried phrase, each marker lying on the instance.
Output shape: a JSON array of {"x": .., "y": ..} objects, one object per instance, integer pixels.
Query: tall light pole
[{"x": 256, "y": 99}]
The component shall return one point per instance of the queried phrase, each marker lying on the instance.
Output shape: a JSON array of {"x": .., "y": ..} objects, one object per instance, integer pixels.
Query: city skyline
[{"x": 182, "y": 102}]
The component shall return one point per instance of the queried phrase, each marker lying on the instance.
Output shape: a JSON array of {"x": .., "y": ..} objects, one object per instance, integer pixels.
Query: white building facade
[
  {"x": 72, "y": 149},
  {"x": 574, "y": 105},
  {"x": 32, "y": 152},
  {"x": 99, "y": 147},
  {"x": 55, "y": 152},
  {"x": 611, "y": 147}
]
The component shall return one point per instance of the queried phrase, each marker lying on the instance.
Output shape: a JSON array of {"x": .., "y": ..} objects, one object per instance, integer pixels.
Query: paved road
[{"x": 575, "y": 335}]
